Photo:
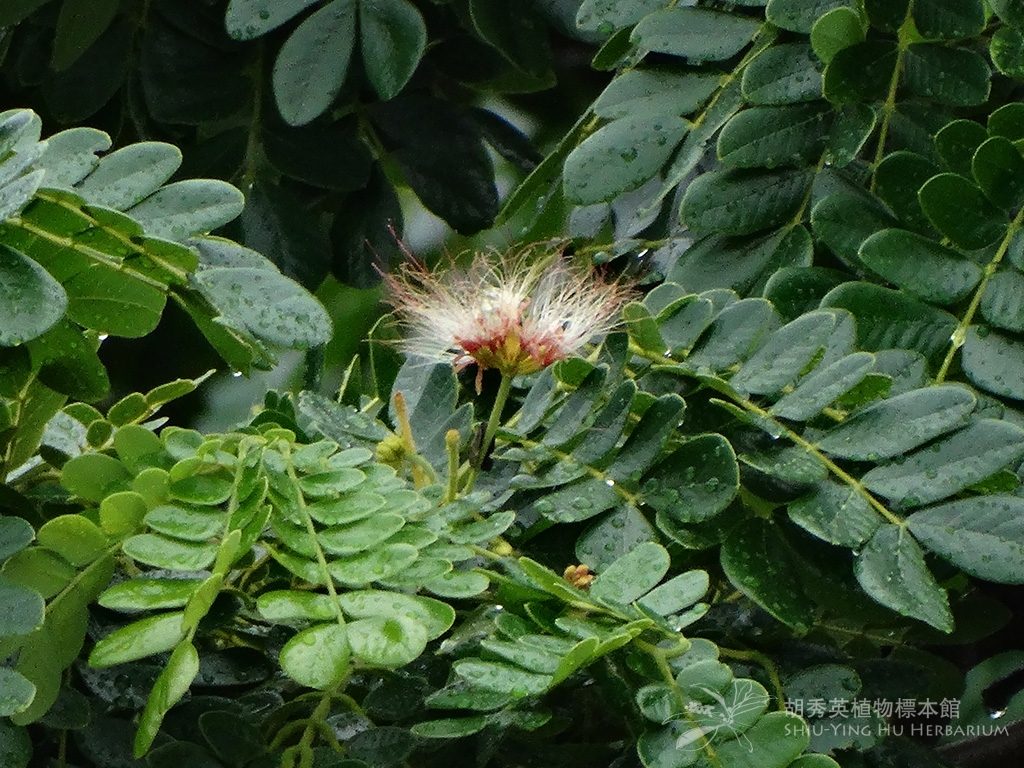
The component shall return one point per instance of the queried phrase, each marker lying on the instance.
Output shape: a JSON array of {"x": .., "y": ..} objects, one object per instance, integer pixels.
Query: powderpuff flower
[{"x": 504, "y": 312}]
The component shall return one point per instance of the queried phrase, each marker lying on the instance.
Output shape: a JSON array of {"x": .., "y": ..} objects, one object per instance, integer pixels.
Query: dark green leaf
[
  {"x": 246, "y": 19},
  {"x": 957, "y": 142},
  {"x": 392, "y": 40},
  {"x": 838, "y": 29},
  {"x": 837, "y": 514},
  {"x": 605, "y": 16},
  {"x": 921, "y": 266},
  {"x": 764, "y": 137},
  {"x": 889, "y": 319},
  {"x": 783, "y": 74},
  {"x": 895, "y": 426},
  {"x": 696, "y": 33},
  {"x": 79, "y": 24},
  {"x": 800, "y": 15},
  {"x": 31, "y": 301},
  {"x": 457, "y": 183},
  {"x": 1002, "y": 303},
  {"x": 897, "y": 179},
  {"x": 755, "y": 558},
  {"x": 741, "y": 202},
  {"x": 999, "y": 170},
  {"x": 1007, "y": 52},
  {"x": 654, "y": 92},
  {"x": 311, "y": 65},
  {"x": 622, "y": 155},
  {"x": 515, "y": 31},
  {"x": 983, "y": 536},
  {"x": 695, "y": 482},
  {"x": 823, "y": 386},
  {"x": 994, "y": 361},
  {"x": 948, "y": 465},
  {"x": 860, "y": 73},
  {"x": 892, "y": 570},
  {"x": 949, "y": 19},
  {"x": 953, "y": 76},
  {"x": 633, "y": 575}
]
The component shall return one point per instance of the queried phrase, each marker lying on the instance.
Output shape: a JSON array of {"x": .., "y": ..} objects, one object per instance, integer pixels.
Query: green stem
[
  {"x": 769, "y": 668},
  {"x": 504, "y": 389}
]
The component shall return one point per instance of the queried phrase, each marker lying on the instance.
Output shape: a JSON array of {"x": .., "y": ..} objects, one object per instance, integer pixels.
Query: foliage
[{"x": 793, "y": 475}]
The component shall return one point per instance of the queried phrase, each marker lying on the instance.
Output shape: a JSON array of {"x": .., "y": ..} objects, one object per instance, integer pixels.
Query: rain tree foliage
[{"x": 795, "y": 470}]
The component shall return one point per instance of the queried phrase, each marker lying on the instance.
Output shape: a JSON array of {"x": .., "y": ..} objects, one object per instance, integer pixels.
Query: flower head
[{"x": 504, "y": 313}]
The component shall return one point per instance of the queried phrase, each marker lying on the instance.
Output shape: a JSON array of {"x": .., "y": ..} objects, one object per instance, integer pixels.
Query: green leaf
[
  {"x": 15, "y": 535},
  {"x": 850, "y": 131},
  {"x": 246, "y": 19},
  {"x": 957, "y": 142},
  {"x": 388, "y": 642},
  {"x": 374, "y": 565},
  {"x": 433, "y": 615},
  {"x": 953, "y": 76},
  {"x": 696, "y": 33},
  {"x": 173, "y": 683},
  {"x": 899, "y": 424},
  {"x": 777, "y": 740},
  {"x": 949, "y": 19},
  {"x": 127, "y": 176},
  {"x": 739, "y": 202},
  {"x": 449, "y": 728},
  {"x": 16, "y": 693},
  {"x": 800, "y": 15},
  {"x": 187, "y": 208},
  {"x": 458, "y": 584},
  {"x": 892, "y": 570},
  {"x": 515, "y": 31},
  {"x": 31, "y": 301},
  {"x": 15, "y": 746},
  {"x": 838, "y": 29},
  {"x": 392, "y": 39},
  {"x": 888, "y": 319},
  {"x": 77, "y": 539},
  {"x": 501, "y": 678},
  {"x": 94, "y": 475},
  {"x": 783, "y": 74},
  {"x": 362, "y": 535},
  {"x": 844, "y": 220},
  {"x": 612, "y": 536},
  {"x": 633, "y": 575},
  {"x": 756, "y": 560},
  {"x": 921, "y": 266},
  {"x": 837, "y": 514},
  {"x": 79, "y": 25},
  {"x": 142, "y": 594},
  {"x": 311, "y": 65},
  {"x": 788, "y": 353},
  {"x": 1010, "y": 11},
  {"x": 735, "y": 334},
  {"x": 1002, "y": 303},
  {"x": 959, "y": 211},
  {"x": 622, "y": 155},
  {"x": 162, "y": 552},
  {"x": 605, "y": 16},
  {"x": 984, "y": 536},
  {"x": 948, "y": 465},
  {"x": 21, "y": 609},
  {"x": 766, "y": 137},
  {"x": 823, "y": 386},
  {"x": 112, "y": 301},
  {"x": 677, "y": 593},
  {"x": 897, "y": 179},
  {"x": 860, "y": 73},
  {"x": 999, "y": 170},
  {"x": 994, "y": 361},
  {"x": 268, "y": 304},
  {"x": 1006, "y": 50},
  {"x": 40, "y": 569},
  {"x": 317, "y": 657},
  {"x": 146, "y": 637},
  {"x": 695, "y": 482},
  {"x": 654, "y": 92}
]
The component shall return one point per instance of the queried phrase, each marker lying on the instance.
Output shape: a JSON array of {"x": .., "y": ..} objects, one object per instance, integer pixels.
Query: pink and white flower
[{"x": 504, "y": 312}]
